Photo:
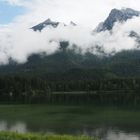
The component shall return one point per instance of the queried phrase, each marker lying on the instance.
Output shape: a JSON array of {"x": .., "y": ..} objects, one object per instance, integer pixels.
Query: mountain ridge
[
  {"x": 117, "y": 16},
  {"x": 65, "y": 63},
  {"x": 42, "y": 25}
]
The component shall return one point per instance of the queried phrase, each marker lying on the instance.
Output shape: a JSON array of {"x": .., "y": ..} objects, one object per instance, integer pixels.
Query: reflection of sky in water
[
  {"x": 110, "y": 134},
  {"x": 14, "y": 127},
  {"x": 121, "y": 136},
  {"x": 3, "y": 126},
  {"x": 102, "y": 133}
]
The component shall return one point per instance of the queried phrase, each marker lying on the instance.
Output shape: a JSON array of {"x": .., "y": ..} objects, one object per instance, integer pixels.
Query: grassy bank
[{"x": 16, "y": 136}]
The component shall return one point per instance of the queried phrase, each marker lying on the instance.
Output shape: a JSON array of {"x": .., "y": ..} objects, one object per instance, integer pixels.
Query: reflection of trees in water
[{"x": 14, "y": 127}]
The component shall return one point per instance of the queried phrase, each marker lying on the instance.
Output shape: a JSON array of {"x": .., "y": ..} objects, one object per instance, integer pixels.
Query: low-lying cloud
[{"x": 18, "y": 43}]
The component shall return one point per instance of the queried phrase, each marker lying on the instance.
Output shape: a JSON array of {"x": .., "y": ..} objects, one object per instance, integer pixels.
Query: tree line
[{"x": 18, "y": 89}]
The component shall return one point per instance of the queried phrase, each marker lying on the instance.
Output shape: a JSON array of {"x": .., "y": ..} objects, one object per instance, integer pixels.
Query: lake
[{"x": 107, "y": 123}]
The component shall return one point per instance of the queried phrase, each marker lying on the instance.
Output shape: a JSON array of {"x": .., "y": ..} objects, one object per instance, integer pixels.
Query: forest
[
  {"x": 18, "y": 89},
  {"x": 71, "y": 77}
]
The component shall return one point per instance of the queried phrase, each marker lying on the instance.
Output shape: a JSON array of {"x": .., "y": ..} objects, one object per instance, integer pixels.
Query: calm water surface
[{"x": 103, "y": 133}]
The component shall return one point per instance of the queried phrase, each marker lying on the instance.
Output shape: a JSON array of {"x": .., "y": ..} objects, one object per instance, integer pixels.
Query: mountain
[
  {"x": 69, "y": 65},
  {"x": 117, "y": 16},
  {"x": 73, "y": 24},
  {"x": 44, "y": 24},
  {"x": 47, "y": 23},
  {"x": 136, "y": 36}
]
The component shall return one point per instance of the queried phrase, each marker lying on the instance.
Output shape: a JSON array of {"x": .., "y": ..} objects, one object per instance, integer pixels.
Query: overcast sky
[
  {"x": 18, "y": 41},
  {"x": 83, "y": 12}
]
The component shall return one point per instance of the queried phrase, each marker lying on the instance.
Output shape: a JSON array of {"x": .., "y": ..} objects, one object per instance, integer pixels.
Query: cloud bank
[{"x": 19, "y": 43}]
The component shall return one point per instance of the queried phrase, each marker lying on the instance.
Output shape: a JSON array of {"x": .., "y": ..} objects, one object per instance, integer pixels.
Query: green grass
[{"x": 16, "y": 136}]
